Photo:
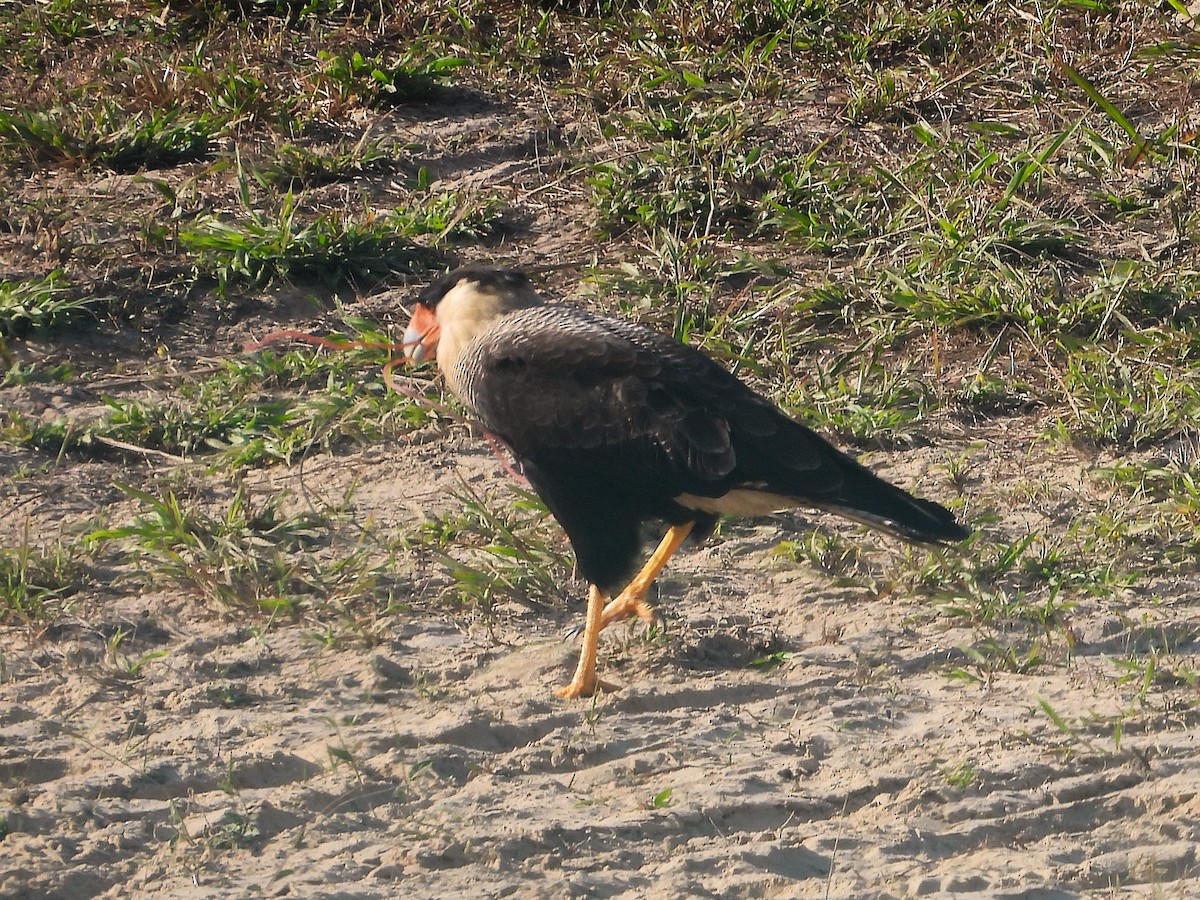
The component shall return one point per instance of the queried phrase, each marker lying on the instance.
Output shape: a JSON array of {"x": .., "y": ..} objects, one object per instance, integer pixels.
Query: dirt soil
[{"x": 435, "y": 762}]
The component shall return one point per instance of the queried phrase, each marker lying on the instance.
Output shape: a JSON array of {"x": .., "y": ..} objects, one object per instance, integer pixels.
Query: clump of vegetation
[
  {"x": 493, "y": 551},
  {"x": 36, "y": 583},
  {"x": 330, "y": 249},
  {"x": 249, "y": 556},
  {"x": 107, "y": 137},
  {"x": 38, "y": 303},
  {"x": 269, "y": 407},
  {"x": 295, "y": 168},
  {"x": 381, "y": 82}
]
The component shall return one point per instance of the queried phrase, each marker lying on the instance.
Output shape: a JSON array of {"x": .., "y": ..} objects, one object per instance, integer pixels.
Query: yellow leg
[
  {"x": 632, "y": 601},
  {"x": 584, "y": 683}
]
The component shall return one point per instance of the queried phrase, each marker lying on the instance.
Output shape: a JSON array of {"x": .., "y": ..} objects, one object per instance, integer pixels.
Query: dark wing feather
[{"x": 553, "y": 378}]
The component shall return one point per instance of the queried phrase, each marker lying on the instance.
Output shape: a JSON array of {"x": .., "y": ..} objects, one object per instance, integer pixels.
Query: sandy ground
[{"x": 250, "y": 762}]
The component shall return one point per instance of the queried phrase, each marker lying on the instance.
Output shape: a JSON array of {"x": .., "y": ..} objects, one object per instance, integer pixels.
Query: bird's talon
[
  {"x": 626, "y": 608},
  {"x": 575, "y": 691},
  {"x": 654, "y": 624}
]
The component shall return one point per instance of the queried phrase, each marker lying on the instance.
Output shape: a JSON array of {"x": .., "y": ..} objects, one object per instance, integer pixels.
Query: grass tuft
[
  {"x": 107, "y": 137},
  {"x": 37, "y": 582},
  {"x": 269, "y": 407},
  {"x": 331, "y": 249},
  {"x": 382, "y": 82},
  {"x": 495, "y": 550},
  {"x": 38, "y": 303},
  {"x": 249, "y": 556}
]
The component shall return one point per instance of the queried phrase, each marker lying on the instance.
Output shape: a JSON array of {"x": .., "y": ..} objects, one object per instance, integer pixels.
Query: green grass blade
[{"x": 1140, "y": 144}]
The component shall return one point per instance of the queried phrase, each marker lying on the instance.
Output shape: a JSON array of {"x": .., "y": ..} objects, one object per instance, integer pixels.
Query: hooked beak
[{"x": 421, "y": 336}]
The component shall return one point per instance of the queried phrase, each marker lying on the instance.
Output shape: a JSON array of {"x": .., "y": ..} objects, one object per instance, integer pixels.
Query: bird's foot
[
  {"x": 585, "y": 688},
  {"x": 628, "y": 610},
  {"x": 624, "y": 607}
]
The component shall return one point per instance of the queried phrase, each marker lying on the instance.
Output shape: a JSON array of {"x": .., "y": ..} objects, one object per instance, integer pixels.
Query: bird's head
[{"x": 458, "y": 305}]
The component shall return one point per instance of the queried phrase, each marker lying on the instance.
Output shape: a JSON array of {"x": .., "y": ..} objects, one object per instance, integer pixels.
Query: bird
[{"x": 618, "y": 427}]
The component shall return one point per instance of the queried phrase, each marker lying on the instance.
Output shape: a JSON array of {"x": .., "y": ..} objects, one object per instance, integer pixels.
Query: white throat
[{"x": 462, "y": 313}]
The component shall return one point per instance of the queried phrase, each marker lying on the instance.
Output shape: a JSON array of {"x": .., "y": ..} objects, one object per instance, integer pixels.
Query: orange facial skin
[{"x": 421, "y": 336}]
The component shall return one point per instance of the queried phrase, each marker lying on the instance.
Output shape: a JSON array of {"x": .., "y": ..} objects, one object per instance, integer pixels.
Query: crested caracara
[{"x": 615, "y": 425}]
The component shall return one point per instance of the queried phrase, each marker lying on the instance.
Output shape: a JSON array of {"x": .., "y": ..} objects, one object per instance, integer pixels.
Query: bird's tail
[{"x": 867, "y": 498}]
